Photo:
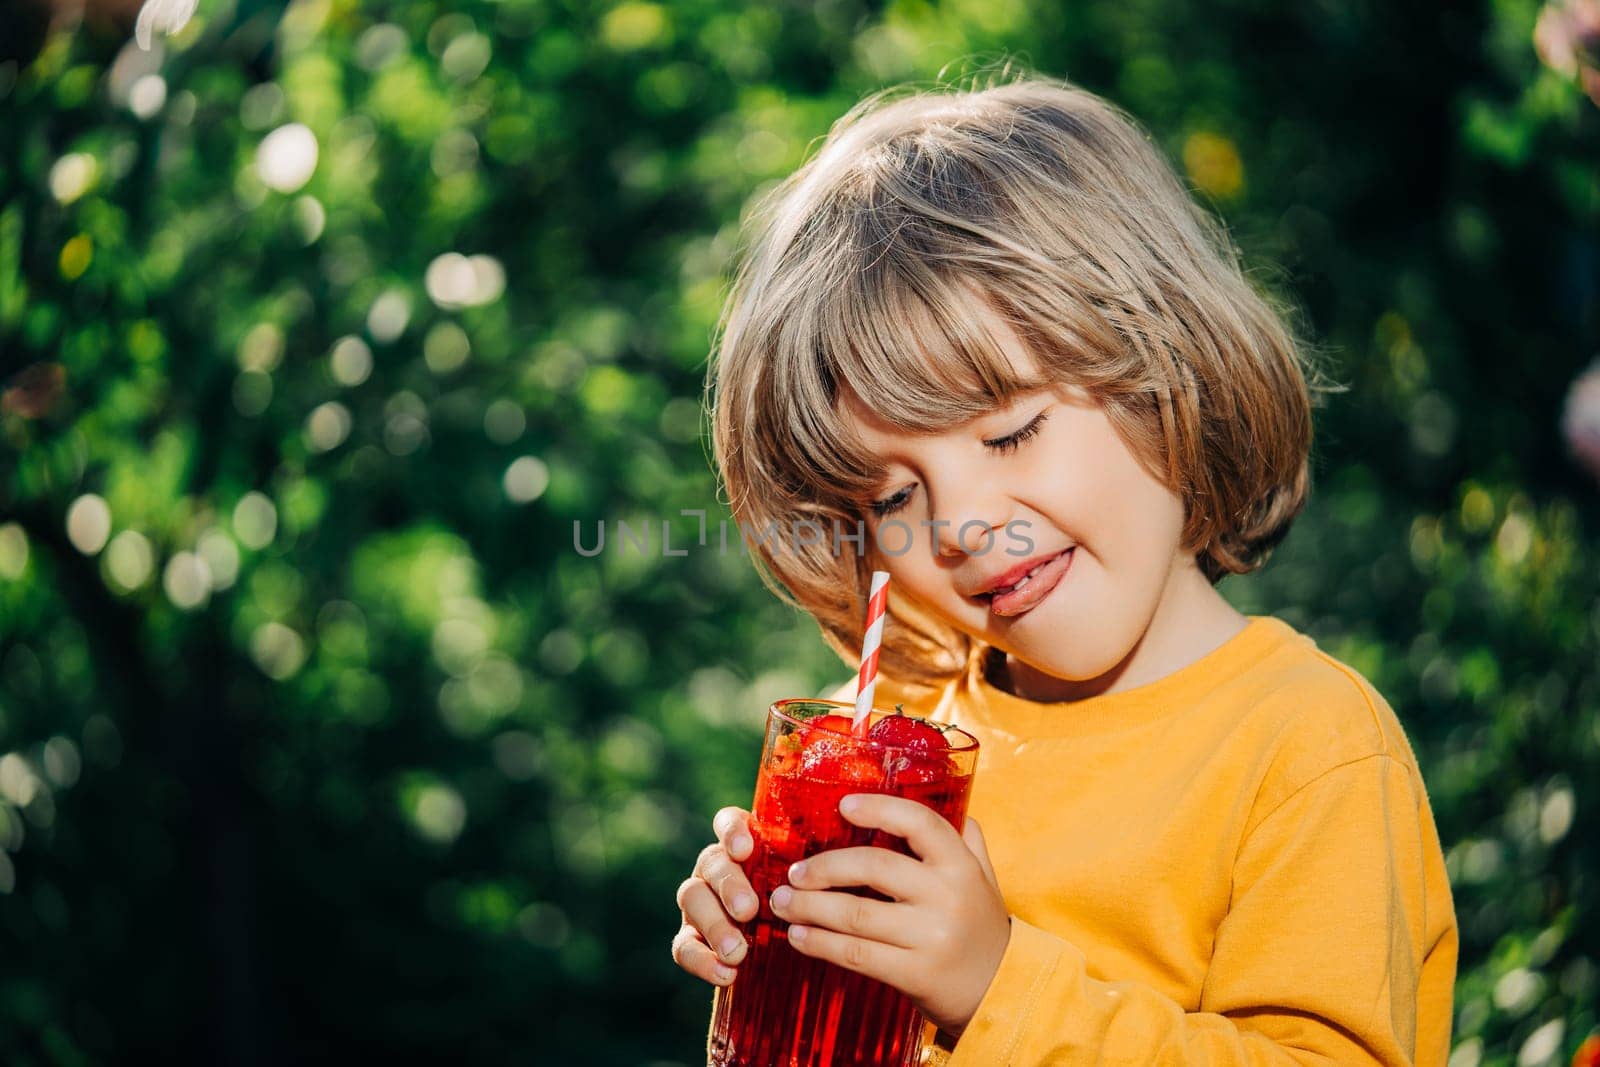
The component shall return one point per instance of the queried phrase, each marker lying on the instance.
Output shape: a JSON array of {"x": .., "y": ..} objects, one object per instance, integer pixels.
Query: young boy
[{"x": 996, "y": 317}]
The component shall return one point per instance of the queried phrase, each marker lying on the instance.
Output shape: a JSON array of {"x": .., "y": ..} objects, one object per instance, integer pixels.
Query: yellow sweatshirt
[{"x": 1235, "y": 864}]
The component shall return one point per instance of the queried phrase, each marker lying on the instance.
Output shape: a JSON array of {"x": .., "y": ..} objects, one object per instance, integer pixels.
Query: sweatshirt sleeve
[{"x": 1320, "y": 958}]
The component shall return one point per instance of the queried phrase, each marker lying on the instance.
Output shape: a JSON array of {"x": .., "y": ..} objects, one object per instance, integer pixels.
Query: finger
[
  {"x": 929, "y": 836},
  {"x": 972, "y": 834},
  {"x": 886, "y": 963},
  {"x": 727, "y": 879},
  {"x": 890, "y": 873},
  {"x": 846, "y": 913},
  {"x": 732, "y": 826},
  {"x": 691, "y": 953},
  {"x": 703, "y": 911}
]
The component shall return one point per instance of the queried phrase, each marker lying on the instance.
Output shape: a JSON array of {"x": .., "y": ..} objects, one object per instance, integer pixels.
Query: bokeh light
[
  {"x": 287, "y": 157},
  {"x": 310, "y": 217},
  {"x": 62, "y": 762},
  {"x": 456, "y": 281},
  {"x": 72, "y": 176},
  {"x": 148, "y": 96},
  {"x": 437, "y": 812},
  {"x": 129, "y": 560},
  {"x": 13, "y": 551},
  {"x": 446, "y": 348},
  {"x": 277, "y": 650},
  {"x": 168, "y": 17},
  {"x": 504, "y": 421},
  {"x": 18, "y": 782},
  {"x": 221, "y": 557},
  {"x": 350, "y": 361},
  {"x": 187, "y": 580},
  {"x": 526, "y": 479},
  {"x": 387, "y": 319},
  {"x": 327, "y": 426},
  {"x": 255, "y": 520}
]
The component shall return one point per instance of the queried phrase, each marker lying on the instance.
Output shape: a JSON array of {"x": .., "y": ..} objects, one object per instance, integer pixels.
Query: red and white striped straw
[{"x": 877, "y": 604}]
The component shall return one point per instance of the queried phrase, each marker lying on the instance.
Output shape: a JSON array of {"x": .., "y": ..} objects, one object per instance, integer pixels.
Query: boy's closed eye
[
  {"x": 1002, "y": 445},
  {"x": 1012, "y": 441}
]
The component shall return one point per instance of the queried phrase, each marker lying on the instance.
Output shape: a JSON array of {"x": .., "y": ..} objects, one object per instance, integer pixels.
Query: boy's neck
[{"x": 1193, "y": 621}]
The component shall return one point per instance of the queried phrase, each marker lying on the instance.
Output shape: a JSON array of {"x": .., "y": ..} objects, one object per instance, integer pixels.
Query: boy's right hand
[{"x": 713, "y": 899}]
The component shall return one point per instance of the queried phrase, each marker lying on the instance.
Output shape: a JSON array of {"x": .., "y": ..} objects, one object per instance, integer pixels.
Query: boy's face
[{"x": 1105, "y": 616}]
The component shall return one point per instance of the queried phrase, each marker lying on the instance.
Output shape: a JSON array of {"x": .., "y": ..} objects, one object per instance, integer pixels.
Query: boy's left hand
[{"x": 938, "y": 941}]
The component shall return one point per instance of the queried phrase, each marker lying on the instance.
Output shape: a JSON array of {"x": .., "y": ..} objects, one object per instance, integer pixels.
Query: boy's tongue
[{"x": 1034, "y": 587}]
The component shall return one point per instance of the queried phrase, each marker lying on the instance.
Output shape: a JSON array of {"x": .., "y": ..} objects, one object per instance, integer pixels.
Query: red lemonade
[{"x": 789, "y": 1010}]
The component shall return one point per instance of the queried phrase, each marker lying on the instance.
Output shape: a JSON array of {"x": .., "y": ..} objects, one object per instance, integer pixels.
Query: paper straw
[{"x": 867, "y": 681}]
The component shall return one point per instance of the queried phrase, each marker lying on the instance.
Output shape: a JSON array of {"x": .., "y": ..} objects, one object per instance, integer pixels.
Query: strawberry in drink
[{"x": 789, "y": 1010}]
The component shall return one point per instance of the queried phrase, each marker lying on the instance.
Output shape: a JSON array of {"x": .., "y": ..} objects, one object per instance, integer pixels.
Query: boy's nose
[
  {"x": 966, "y": 508},
  {"x": 968, "y": 536}
]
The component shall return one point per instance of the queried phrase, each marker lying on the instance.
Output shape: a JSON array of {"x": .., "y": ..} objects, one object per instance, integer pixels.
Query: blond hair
[{"x": 1053, "y": 208}]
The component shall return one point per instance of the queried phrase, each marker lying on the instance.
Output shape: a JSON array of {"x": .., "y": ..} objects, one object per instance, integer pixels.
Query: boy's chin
[{"x": 1070, "y": 666}]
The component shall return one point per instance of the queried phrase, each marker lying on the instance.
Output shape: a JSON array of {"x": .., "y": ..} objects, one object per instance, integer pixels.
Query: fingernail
[
  {"x": 741, "y": 843},
  {"x": 730, "y": 945},
  {"x": 744, "y": 904},
  {"x": 849, "y": 804},
  {"x": 781, "y": 896},
  {"x": 722, "y": 974},
  {"x": 797, "y": 933},
  {"x": 797, "y": 871}
]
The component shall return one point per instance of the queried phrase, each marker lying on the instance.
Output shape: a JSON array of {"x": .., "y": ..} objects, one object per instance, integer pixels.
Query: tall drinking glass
[{"x": 789, "y": 1010}]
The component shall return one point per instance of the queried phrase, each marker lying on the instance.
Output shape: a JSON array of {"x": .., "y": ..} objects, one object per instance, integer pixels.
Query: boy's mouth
[{"x": 1028, "y": 589}]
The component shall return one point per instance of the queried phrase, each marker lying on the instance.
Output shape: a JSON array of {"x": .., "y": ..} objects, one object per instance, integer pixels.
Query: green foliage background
[{"x": 372, "y": 762}]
